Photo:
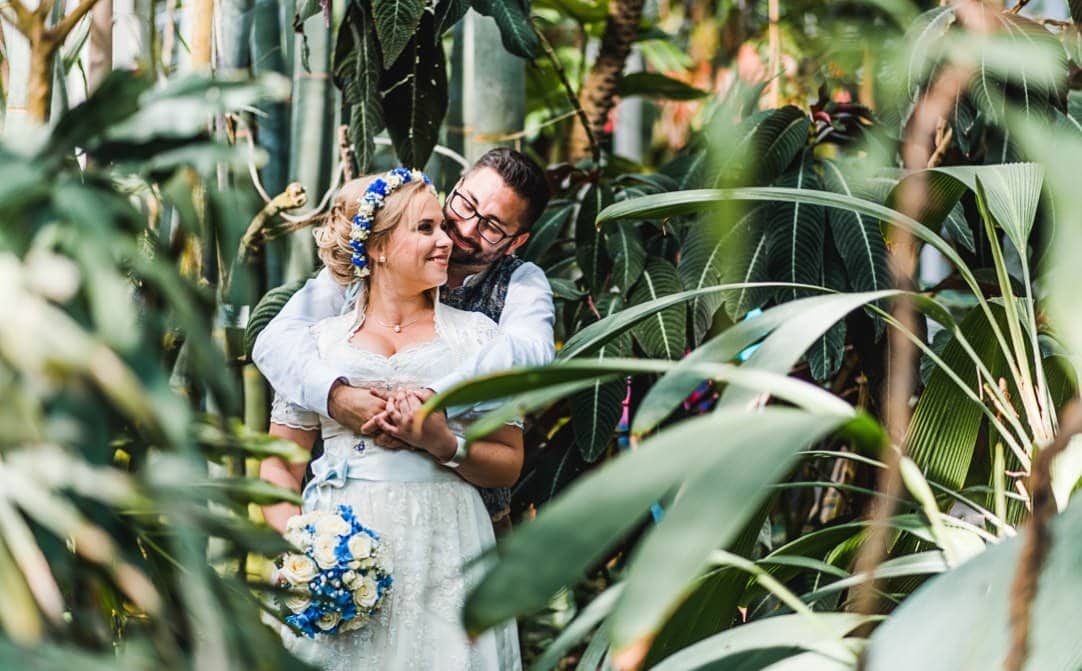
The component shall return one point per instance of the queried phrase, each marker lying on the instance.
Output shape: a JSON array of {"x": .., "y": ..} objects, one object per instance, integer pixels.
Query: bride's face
[{"x": 418, "y": 249}]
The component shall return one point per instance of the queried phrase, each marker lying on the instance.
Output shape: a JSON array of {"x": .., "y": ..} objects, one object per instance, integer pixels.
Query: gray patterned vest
[{"x": 486, "y": 293}]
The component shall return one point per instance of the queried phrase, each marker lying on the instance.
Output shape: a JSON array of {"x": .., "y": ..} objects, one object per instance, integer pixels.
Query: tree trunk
[
  {"x": 599, "y": 90},
  {"x": 269, "y": 55},
  {"x": 312, "y": 139},
  {"x": 202, "y": 34},
  {"x": 101, "y": 44},
  {"x": 41, "y": 73}
]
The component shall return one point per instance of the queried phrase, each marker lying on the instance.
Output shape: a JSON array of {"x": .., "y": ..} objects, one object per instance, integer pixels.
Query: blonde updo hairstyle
[{"x": 332, "y": 236}]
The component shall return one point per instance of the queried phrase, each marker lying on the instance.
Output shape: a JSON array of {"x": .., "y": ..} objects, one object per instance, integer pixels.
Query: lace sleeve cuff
[{"x": 293, "y": 416}]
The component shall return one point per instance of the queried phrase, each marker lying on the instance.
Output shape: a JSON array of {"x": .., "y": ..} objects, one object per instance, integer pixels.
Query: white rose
[
  {"x": 360, "y": 546},
  {"x": 354, "y": 624},
  {"x": 328, "y": 621},
  {"x": 332, "y": 526},
  {"x": 354, "y": 564},
  {"x": 298, "y": 569},
  {"x": 323, "y": 551},
  {"x": 298, "y": 538},
  {"x": 298, "y": 602},
  {"x": 367, "y": 593},
  {"x": 351, "y": 579}
]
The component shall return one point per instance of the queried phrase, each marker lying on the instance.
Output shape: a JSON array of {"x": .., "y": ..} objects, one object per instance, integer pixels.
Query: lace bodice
[{"x": 459, "y": 335}]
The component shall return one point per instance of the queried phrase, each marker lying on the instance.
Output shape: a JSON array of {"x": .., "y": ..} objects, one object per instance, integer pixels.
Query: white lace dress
[{"x": 432, "y": 520}]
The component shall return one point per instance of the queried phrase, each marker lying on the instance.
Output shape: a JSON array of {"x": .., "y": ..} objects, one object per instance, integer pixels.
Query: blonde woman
[{"x": 389, "y": 232}]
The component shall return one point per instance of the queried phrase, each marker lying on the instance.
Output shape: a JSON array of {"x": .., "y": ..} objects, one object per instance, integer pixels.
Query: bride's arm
[
  {"x": 278, "y": 471},
  {"x": 493, "y": 461}
]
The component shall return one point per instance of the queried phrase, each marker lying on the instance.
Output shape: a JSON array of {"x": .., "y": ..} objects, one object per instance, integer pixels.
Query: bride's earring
[{"x": 382, "y": 258}]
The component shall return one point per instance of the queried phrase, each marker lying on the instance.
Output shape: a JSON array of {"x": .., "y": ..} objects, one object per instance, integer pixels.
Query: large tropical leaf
[
  {"x": 942, "y": 434},
  {"x": 715, "y": 503},
  {"x": 415, "y": 95},
  {"x": 589, "y": 240},
  {"x": 664, "y": 334},
  {"x": 977, "y": 593},
  {"x": 1012, "y": 191},
  {"x": 928, "y": 29},
  {"x": 795, "y": 232},
  {"x": 596, "y": 410},
  {"x": 624, "y": 245},
  {"x": 357, "y": 67},
  {"x": 513, "y": 19},
  {"x": 656, "y": 85},
  {"x": 711, "y": 255},
  {"x": 395, "y": 22},
  {"x": 267, "y": 309},
  {"x": 448, "y": 13},
  {"x": 857, "y": 237},
  {"x": 783, "y": 630},
  {"x": 810, "y": 316},
  {"x": 545, "y": 232},
  {"x": 580, "y": 527},
  {"x": 765, "y": 144}
]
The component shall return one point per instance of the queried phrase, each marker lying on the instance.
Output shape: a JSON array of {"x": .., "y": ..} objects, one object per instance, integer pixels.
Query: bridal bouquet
[{"x": 339, "y": 578}]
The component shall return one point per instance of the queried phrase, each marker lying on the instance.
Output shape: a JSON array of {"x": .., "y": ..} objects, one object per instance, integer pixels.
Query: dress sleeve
[
  {"x": 285, "y": 351},
  {"x": 524, "y": 336},
  {"x": 293, "y": 416}
]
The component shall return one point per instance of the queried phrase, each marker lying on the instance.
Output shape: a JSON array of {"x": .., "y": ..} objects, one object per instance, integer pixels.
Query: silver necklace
[{"x": 397, "y": 328}]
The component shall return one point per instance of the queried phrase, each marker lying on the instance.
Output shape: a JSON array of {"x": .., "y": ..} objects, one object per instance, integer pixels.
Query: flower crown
[{"x": 369, "y": 204}]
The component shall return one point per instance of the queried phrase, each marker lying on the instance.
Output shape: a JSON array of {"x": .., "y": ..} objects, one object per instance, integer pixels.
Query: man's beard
[{"x": 472, "y": 257}]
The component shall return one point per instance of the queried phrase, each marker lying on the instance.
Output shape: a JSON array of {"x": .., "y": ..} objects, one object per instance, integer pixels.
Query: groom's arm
[
  {"x": 285, "y": 351},
  {"x": 525, "y": 335}
]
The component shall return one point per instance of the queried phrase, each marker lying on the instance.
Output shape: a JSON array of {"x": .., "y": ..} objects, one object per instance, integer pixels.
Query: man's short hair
[{"x": 525, "y": 177}]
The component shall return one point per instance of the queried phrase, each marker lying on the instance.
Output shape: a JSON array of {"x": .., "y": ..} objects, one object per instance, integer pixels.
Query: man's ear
[{"x": 518, "y": 242}]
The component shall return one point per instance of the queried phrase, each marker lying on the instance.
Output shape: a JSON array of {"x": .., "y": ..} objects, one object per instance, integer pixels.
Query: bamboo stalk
[{"x": 202, "y": 34}]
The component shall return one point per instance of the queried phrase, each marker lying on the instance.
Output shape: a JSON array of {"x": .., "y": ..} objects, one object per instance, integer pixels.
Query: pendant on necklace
[{"x": 397, "y": 328}]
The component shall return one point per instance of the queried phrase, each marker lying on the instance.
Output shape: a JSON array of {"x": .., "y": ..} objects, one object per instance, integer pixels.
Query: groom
[{"x": 490, "y": 211}]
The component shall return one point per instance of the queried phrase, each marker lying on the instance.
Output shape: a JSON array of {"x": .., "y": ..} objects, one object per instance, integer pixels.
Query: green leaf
[
  {"x": 589, "y": 242},
  {"x": 448, "y": 13},
  {"x": 591, "y": 616},
  {"x": 414, "y": 92},
  {"x": 513, "y": 19},
  {"x": 795, "y": 232},
  {"x": 857, "y": 237},
  {"x": 977, "y": 593},
  {"x": 655, "y": 85},
  {"x": 808, "y": 316},
  {"x": 710, "y": 256},
  {"x": 596, "y": 410},
  {"x": 664, "y": 334},
  {"x": 765, "y": 145},
  {"x": 958, "y": 229},
  {"x": 928, "y": 29},
  {"x": 268, "y": 307},
  {"x": 395, "y": 22},
  {"x": 593, "y": 336},
  {"x": 357, "y": 67},
  {"x": 1013, "y": 192},
  {"x": 717, "y": 499},
  {"x": 624, "y": 245},
  {"x": 115, "y": 99},
  {"x": 580, "y": 527},
  {"x": 942, "y": 434},
  {"x": 546, "y": 231},
  {"x": 778, "y": 631}
]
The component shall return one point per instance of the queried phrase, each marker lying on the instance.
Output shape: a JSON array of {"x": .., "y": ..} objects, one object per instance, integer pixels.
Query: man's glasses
[{"x": 492, "y": 233}]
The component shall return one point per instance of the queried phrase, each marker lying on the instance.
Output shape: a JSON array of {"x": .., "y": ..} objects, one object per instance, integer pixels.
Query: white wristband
[{"x": 460, "y": 453}]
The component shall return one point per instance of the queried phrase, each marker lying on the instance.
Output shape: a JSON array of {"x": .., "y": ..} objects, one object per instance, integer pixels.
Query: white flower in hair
[{"x": 394, "y": 180}]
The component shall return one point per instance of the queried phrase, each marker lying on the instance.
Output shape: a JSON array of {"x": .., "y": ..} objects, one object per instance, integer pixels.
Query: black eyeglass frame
[{"x": 481, "y": 219}]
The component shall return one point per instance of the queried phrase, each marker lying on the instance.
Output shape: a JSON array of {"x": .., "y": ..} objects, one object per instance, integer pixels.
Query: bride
[{"x": 389, "y": 233}]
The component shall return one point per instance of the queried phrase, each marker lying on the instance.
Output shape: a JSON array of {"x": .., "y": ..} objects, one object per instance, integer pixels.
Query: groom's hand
[{"x": 353, "y": 407}]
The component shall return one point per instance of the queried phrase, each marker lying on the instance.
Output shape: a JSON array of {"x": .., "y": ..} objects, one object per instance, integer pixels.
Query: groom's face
[{"x": 485, "y": 216}]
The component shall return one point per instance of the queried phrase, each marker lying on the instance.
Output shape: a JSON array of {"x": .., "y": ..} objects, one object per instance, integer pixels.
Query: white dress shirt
[{"x": 285, "y": 351}]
